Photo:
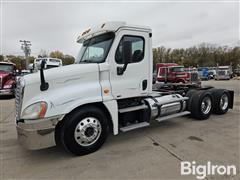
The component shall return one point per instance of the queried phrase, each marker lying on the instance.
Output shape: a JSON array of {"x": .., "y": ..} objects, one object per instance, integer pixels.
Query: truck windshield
[
  {"x": 6, "y": 68},
  {"x": 96, "y": 49}
]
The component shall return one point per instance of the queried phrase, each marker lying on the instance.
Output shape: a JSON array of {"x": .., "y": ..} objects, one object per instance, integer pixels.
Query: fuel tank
[{"x": 166, "y": 105}]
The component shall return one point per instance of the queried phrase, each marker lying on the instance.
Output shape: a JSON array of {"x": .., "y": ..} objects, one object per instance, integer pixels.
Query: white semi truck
[{"x": 108, "y": 90}]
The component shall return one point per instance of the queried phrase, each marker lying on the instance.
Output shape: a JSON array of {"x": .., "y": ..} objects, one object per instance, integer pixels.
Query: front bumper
[
  {"x": 37, "y": 134},
  {"x": 4, "y": 92},
  {"x": 222, "y": 77}
]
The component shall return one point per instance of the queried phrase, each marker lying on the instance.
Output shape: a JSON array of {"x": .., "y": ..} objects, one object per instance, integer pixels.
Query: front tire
[{"x": 84, "y": 131}]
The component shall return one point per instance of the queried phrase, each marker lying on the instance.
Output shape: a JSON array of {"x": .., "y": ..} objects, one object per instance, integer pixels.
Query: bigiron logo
[{"x": 201, "y": 171}]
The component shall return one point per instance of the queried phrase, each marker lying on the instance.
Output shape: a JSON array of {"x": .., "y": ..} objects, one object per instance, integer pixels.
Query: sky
[{"x": 55, "y": 25}]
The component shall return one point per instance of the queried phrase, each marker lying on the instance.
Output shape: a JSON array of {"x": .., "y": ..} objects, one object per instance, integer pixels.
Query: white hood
[
  {"x": 60, "y": 74},
  {"x": 72, "y": 83}
]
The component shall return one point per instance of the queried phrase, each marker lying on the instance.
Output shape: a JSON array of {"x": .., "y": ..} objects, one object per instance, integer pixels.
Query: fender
[{"x": 112, "y": 108}]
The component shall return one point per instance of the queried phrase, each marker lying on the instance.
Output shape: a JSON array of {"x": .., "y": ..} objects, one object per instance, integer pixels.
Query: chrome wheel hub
[
  {"x": 206, "y": 105},
  {"x": 224, "y": 102},
  {"x": 87, "y": 131}
]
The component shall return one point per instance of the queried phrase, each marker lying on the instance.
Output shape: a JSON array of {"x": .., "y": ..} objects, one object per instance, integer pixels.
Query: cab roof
[
  {"x": 107, "y": 27},
  {"x": 10, "y": 63}
]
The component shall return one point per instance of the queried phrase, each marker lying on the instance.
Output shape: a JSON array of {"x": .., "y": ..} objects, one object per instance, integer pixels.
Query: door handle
[{"x": 144, "y": 84}]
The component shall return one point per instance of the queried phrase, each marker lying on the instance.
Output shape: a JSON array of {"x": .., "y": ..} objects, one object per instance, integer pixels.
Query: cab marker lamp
[{"x": 35, "y": 111}]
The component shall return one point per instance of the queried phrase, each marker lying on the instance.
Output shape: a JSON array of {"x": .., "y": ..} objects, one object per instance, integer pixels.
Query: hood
[
  {"x": 66, "y": 84},
  {"x": 61, "y": 74},
  {"x": 3, "y": 74}
]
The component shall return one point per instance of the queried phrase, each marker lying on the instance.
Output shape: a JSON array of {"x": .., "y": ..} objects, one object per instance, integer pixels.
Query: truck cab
[
  {"x": 7, "y": 78},
  {"x": 174, "y": 73},
  {"x": 107, "y": 90},
  {"x": 223, "y": 73},
  {"x": 203, "y": 73}
]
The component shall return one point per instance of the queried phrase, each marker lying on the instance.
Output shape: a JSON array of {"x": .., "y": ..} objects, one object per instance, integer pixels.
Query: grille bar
[
  {"x": 0, "y": 82},
  {"x": 18, "y": 100}
]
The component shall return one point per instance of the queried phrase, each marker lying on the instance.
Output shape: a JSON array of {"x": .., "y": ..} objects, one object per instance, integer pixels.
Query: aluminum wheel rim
[
  {"x": 206, "y": 105},
  {"x": 224, "y": 102},
  {"x": 88, "y": 131}
]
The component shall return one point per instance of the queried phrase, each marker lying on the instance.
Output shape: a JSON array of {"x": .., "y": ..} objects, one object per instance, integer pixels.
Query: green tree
[
  {"x": 57, "y": 54},
  {"x": 68, "y": 59},
  {"x": 1, "y": 58}
]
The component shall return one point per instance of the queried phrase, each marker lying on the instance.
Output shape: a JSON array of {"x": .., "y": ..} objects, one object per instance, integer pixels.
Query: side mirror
[
  {"x": 127, "y": 56},
  {"x": 44, "y": 85}
]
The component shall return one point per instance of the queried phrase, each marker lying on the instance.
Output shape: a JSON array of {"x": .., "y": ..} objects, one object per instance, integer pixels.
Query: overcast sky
[{"x": 56, "y": 25}]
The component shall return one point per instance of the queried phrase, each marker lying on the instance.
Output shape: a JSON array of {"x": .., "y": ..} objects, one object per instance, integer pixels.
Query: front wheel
[{"x": 84, "y": 131}]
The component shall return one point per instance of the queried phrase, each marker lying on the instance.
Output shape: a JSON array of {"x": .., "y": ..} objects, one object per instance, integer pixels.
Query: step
[
  {"x": 134, "y": 108},
  {"x": 159, "y": 119},
  {"x": 134, "y": 126}
]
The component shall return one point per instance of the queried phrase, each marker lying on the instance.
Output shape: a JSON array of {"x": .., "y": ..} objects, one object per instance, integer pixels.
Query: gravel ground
[{"x": 150, "y": 153}]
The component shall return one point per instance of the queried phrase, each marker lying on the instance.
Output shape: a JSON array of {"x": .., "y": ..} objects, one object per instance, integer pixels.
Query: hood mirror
[{"x": 44, "y": 85}]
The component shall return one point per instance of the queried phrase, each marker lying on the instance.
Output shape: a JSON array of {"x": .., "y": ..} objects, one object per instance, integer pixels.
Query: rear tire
[
  {"x": 200, "y": 104},
  {"x": 84, "y": 131},
  {"x": 221, "y": 101}
]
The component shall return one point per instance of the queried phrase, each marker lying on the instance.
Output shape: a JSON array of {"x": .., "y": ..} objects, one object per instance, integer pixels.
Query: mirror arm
[{"x": 121, "y": 70}]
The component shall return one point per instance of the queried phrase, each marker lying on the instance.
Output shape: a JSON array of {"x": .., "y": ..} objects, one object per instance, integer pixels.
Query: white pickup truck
[{"x": 108, "y": 89}]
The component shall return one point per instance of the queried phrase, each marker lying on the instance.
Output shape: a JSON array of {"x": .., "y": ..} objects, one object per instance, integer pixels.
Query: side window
[
  {"x": 137, "y": 49},
  {"x": 162, "y": 71}
]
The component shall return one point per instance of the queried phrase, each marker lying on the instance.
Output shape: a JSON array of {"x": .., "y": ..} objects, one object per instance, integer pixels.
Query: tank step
[
  {"x": 134, "y": 126},
  {"x": 134, "y": 108},
  {"x": 172, "y": 101},
  {"x": 159, "y": 119}
]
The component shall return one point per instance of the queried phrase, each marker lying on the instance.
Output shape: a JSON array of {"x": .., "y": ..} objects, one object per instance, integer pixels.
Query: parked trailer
[{"x": 108, "y": 89}]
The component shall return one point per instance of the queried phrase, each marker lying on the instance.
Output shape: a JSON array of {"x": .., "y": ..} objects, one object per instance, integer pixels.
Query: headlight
[
  {"x": 7, "y": 86},
  {"x": 35, "y": 111}
]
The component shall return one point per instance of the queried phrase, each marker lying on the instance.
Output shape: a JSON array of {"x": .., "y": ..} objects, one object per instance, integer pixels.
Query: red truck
[
  {"x": 175, "y": 73},
  {"x": 7, "y": 78}
]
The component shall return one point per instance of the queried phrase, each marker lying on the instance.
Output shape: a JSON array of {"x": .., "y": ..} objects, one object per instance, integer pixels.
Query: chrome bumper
[
  {"x": 4, "y": 92},
  {"x": 37, "y": 134}
]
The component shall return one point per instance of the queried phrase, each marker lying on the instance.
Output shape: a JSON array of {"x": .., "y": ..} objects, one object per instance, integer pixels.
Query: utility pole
[{"x": 25, "y": 46}]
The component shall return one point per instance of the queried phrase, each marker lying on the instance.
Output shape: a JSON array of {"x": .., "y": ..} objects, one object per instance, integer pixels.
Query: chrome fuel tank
[{"x": 165, "y": 105}]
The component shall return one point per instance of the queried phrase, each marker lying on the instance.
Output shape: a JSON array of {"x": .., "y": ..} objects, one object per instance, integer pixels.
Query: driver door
[{"x": 135, "y": 79}]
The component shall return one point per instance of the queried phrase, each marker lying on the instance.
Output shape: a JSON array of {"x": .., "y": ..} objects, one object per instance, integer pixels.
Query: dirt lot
[{"x": 150, "y": 153}]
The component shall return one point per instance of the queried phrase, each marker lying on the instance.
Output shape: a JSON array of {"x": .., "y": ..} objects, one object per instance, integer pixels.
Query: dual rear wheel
[{"x": 202, "y": 103}]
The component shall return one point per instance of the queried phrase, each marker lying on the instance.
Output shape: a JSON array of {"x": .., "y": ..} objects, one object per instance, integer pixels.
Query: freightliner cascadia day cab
[{"x": 108, "y": 90}]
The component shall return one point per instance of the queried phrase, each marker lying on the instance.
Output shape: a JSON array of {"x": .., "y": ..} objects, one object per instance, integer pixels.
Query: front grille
[
  {"x": 18, "y": 99},
  {"x": 221, "y": 73},
  {"x": 0, "y": 82},
  {"x": 194, "y": 76}
]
